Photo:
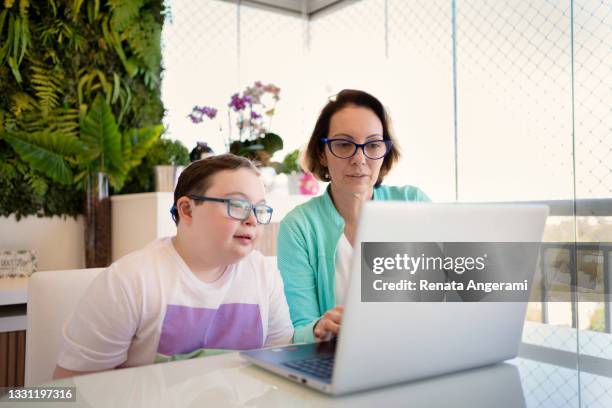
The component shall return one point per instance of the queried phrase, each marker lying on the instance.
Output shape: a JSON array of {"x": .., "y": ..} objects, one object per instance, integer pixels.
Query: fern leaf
[
  {"x": 7, "y": 170},
  {"x": 21, "y": 102},
  {"x": 37, "y": 184},
  {"x": 47, "y": 86},
  {"x": 145, "y": 39},
  {"x": 124, "y": 13},
  {"x": 60, "y": 120}
]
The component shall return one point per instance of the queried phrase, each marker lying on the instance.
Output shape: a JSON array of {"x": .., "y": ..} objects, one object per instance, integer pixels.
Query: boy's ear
[{"x": 183, "y": 206}]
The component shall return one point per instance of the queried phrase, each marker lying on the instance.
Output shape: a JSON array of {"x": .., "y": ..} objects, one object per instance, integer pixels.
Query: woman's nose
[{"x": 358, "y": 157}]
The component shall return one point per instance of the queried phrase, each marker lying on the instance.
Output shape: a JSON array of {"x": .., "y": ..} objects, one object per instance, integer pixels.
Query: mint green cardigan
[{"x": 306, "y": 250}]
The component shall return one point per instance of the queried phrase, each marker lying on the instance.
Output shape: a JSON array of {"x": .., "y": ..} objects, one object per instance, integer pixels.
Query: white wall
[{"x": 58, "y": 242}]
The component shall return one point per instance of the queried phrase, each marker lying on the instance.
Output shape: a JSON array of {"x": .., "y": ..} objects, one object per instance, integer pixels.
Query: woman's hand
[{"x": 329, "y": 324}]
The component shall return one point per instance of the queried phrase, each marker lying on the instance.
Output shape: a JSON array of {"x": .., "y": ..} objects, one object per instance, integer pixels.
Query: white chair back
[{"x": 52, "y": 296}]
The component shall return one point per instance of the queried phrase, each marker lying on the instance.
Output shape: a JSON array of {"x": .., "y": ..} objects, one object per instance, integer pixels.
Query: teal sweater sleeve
[{"x": 299, "y": 279}]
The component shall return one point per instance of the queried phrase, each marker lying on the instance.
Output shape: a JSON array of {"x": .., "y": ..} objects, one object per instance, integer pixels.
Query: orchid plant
[{"x": 248, "y": 111}]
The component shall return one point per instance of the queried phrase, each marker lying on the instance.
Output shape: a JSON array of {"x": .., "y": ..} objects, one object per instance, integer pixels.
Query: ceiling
[{"x": 305, "y": 7}]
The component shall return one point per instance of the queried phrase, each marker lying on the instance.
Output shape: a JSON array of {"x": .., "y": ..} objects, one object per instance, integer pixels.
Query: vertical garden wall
[{"x": 56, "y": 57}]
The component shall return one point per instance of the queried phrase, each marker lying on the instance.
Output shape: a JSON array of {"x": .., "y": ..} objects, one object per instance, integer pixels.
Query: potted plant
[
  {"x": 292, "y": 169},
  {"x": 247, "y": 111},
  {"x": 164, "y": 152}
]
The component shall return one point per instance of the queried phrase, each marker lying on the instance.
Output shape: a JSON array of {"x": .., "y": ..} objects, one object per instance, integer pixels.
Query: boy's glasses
[
  {"x": 240, "y": 209},
  {"x": 345, "y": 149}
]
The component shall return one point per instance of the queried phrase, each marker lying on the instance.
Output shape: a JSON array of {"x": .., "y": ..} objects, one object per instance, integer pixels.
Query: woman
[{"x": 353, "y": 148}]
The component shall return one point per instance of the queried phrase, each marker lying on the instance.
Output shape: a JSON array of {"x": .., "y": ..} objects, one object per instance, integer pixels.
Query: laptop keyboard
[{"x": 321, "y": 367}]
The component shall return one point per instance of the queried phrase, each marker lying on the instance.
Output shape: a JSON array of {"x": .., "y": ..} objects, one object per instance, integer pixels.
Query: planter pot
[
  {"x": 268, "y": 176},
  {"x": 293, "y": 182},
  {"x": 97, "y": 221},
  {"x": 166, "y": 177},
  {"x": 138, "y": 219}
]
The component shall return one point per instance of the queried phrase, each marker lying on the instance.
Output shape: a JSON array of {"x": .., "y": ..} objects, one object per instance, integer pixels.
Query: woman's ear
[
  {"x": 323, "y": 159},
  {"x": 183, "y": 206}
]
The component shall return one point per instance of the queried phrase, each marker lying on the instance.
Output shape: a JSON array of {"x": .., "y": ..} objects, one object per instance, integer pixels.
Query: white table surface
[
  {"x": 13, "y": 291},
  {"x": 229, "y": 381}
]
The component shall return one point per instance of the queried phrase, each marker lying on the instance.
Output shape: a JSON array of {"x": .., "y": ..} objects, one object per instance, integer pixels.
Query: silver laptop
[{"x": 384, "y": 343}]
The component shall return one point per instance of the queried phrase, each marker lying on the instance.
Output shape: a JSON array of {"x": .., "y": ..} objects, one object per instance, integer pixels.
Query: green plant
[
  {"x": 26, "y": 191},
  {"x": 56, "y": 56},
  {"x": 290, "y": 163},
  {"x": 597, "y": 321},
  {"x": 164, "y": 151},
  {"x": 101, "y": 147},
  {"x": 259, "y": 149},
  {"x": 249, "y": 109}
]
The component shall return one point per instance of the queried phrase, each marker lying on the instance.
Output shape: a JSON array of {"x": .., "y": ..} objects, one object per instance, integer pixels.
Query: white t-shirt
[
  {"x": 149, "y": 307},
  {"x": 344, "y": 254}
]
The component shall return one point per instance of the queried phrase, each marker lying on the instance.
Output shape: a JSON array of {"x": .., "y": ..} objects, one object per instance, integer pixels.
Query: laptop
[{"x": 390, "y": 342}]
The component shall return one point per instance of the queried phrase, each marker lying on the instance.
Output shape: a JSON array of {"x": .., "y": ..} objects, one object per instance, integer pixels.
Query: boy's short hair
[
  {"x": 348, "y": 97},
  {"x": 197, "y": 177}
]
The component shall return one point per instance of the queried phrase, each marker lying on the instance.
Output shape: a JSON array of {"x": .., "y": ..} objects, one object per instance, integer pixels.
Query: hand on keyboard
[{"x": 329, "y": 324}]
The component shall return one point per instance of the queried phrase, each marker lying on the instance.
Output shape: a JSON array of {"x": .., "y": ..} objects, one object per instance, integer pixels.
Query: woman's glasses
[
  {"x": 240, "y": 209},
  {"x": 345, "y": 149}
]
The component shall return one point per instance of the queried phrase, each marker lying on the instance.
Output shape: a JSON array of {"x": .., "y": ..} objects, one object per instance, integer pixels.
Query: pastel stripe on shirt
[{"x": 233, "y": 326}]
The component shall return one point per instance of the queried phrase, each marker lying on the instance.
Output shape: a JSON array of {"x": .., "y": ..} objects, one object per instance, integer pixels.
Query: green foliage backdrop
[{"x": 56, "y": 56}]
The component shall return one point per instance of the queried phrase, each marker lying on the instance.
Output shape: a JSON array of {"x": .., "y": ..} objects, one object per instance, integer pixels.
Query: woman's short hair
[
  {"x": 197, "y": 177},
  {"x": 348, "y": 97}
]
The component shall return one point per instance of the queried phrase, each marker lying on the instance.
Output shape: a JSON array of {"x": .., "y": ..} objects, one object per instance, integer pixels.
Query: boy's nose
[{"x": 251, "y": 220}]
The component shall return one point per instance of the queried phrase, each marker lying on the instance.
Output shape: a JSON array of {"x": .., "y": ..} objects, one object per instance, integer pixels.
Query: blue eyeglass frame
[
  {"x": 387, "y": 143},
  {"x": 229, "y": 200}
]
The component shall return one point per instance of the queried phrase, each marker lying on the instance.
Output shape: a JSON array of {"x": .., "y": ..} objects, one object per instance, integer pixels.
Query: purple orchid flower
[
  {"x": 195, "y": 118},
  {"x": 197, "y": 114}
]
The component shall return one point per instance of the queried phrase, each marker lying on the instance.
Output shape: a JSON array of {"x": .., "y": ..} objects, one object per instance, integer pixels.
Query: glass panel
[
  {"x": 421, "y": 98},
  {"x": 593, "y": 124},
  {"x": 514, "y": 101},
  {"x": 514, "y": 126},
  {"x": 272, "y": 51},
  {"x": 200, "y": 62}
]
